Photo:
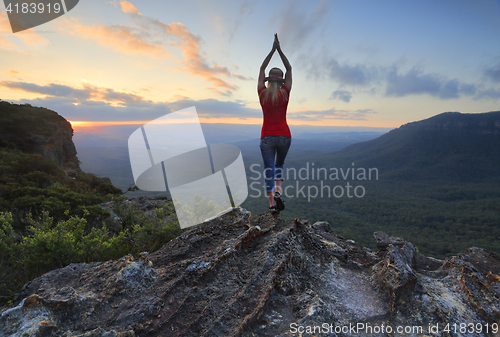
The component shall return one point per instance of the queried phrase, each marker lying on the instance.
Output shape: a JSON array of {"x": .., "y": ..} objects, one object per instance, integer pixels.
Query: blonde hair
[{"x": 272, "y": 89}]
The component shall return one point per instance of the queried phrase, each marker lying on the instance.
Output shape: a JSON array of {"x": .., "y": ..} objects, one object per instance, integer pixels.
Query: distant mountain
[
  {"x": 451, "y": 146},
  {"x": 108, "y": 156},
  {"x": 117, "y": 135}
]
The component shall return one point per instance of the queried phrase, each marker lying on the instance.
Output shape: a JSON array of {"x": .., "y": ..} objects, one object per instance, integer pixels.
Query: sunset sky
[{"x": 355, "y": 63}]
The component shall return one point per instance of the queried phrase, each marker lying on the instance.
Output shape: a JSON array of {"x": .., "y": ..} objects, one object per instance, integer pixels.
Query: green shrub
[
  {"x": 47, "y": 247},
  {"x": 10, "y": 278},
  {"x": 48, "y": 243}
]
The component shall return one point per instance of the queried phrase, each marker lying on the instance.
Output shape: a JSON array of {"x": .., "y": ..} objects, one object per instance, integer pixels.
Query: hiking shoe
[
  {"x": 280, "y": 204},
  {"x": 273, "y": 210}
]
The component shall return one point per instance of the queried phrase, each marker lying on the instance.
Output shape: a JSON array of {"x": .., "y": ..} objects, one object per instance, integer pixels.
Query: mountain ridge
[
  {"x": 481, "y": 123},
  {"x": 450, "y": 147}
]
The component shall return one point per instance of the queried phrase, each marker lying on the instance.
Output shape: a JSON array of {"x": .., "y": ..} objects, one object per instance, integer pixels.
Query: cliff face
[
  {"x": 259, "y": 276},
  {"x": 40, "y": 131},
  {"x": 58, "y": 146}
]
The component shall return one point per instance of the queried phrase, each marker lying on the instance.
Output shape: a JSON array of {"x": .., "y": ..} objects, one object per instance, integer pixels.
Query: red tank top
[{"x": 274, "y": 116}]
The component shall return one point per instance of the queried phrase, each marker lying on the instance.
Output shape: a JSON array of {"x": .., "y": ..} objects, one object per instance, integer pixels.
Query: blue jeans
[{"x": 274, "y": 150}]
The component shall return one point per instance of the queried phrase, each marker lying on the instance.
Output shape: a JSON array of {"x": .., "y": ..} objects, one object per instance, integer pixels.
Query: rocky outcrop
[
  {"x": 247, "y": 276},
  {"x": 40, "y": 131},
  {"x": 57, "y": 147}
]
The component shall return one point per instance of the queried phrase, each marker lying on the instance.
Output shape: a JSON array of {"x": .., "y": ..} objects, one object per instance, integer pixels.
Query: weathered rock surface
[
  {"x": 259, "y": 276},
  {"x": 57, "y": 147}
]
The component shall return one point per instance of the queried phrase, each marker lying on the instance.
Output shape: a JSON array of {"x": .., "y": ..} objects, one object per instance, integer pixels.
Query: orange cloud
[
  {"x": 193, "y": 62},
  {"x": 6, "y": 45},
  {"x": 127, "y": 7},
  {"x": 8, "y": 39},
  {"x": 5, "y": 29},
  {"x": 120, "y": 38},
  {"x": 135, "y": 40},
  {"x": 30, "y": 38}
]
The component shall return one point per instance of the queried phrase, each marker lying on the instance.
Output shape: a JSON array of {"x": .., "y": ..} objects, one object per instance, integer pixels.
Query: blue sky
[{"x": 355, "y": 63}]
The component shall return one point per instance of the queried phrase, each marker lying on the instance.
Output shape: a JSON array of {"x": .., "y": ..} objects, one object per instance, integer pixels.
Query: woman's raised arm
[
  {"x": 286, "y": 63},
  {"x": 262, "y": 72}
]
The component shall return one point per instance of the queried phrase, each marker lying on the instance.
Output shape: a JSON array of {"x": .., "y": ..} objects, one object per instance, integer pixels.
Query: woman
[{"x": 275, "y": 138}]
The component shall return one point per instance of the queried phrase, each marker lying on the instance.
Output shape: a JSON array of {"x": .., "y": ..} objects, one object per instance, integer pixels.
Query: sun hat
[{"x": 276, "y": 75}]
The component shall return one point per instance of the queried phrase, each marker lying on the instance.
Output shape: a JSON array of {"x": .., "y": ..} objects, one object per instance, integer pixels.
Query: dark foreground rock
[{"x": 260, "y": 276}]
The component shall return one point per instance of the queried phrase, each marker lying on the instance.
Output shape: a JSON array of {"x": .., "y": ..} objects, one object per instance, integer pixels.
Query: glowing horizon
[{"x": 86, "y": 126}]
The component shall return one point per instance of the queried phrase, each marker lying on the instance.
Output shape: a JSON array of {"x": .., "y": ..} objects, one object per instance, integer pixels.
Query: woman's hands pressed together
[{"x": 276, "y": 44}]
